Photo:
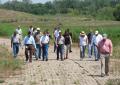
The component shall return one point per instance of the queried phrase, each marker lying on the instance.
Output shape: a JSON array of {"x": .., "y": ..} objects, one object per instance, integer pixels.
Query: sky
[{"x": 34, "y": 1}]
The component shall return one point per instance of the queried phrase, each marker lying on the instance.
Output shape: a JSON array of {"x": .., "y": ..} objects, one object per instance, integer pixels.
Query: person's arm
[
  {"x": 86, "y": 39},
  {"x": 11, "y": 41},
  {"x": 70, "y": 40},
  {"x": 111, "y": 48},
  {"x": 34, "y": 42},
  {"x": 79, "y": 42}
]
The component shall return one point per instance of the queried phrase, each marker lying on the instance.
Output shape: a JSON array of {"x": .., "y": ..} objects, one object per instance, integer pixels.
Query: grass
[
  {"x": 113, "y": 82},
  {"x": 8, "y": 65}
]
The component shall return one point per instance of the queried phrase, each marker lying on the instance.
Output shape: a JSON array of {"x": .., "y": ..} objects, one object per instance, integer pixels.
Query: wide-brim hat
[{"x": 82, "y": 33}]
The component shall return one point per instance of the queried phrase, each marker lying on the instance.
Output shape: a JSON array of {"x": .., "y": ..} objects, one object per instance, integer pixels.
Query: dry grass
[{"x": 8, "y": 65}]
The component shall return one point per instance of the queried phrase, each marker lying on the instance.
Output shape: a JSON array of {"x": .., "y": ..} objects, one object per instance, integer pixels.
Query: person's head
[
  {"x": 82, "y": 34},
  {"x": 38, "y": 29},
  {"x": 29, "y": 34},
  {"x": 44, "y": 33},
  {"x": 34, "y": 29},
  {"x": 104, "y": 36},
  {"x": 31, "y": 26},
  {"x": 96, "y": 33},
  {"x": 15, "y": 33},
  {"x": 19, "y": 27},
  {"x": 60, "y": 33}
]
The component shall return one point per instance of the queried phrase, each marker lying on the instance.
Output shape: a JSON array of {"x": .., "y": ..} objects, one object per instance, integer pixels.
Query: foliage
[
  {"x": 73, "y": 7},
  {"x": 117, "y": 12}
]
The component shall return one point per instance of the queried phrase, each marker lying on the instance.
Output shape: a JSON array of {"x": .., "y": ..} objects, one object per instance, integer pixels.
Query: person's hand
[
  {"x": 110, "y": 54},
  {"x": 56, "y": 45}
]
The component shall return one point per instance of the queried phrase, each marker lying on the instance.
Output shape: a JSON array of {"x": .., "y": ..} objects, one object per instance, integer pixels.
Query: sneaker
[{"x": 70, "y": 51}]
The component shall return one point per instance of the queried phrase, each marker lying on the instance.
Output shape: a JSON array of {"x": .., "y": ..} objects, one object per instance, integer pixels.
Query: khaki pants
[
  {"x": 105, "y": 63},
  {"x": 66, "y": 49}
]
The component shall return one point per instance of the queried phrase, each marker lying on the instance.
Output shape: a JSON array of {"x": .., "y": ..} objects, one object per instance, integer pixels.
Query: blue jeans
[
  {"x": 15, "y": 49},
  {"x": 45, "y": 51},
  {"x": 96, "y": 53},
  {"x": 60, "y": 49},
  {"x": 38, "y": 51},
  {"x": 82, "y": 51},
  {"x": 90, "y": 50}
]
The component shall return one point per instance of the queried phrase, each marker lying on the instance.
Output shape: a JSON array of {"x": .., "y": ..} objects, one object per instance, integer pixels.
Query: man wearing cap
[
  {"x": 56, "y": 34},
  {"x": 15, "y": 43},
  {"x": 44, "y": 42},
  {"x": 96, "y": 39},
  {"x": 83, "y": 41},
  {"x": 105, "y": 49},
  {"x": 19, "y": 31},
  {"x": 37, "y": 37},
  {"x": 60, "y": 46},
  {"x": 90, "y": 44},
  {"x": 30, "y": 46}
]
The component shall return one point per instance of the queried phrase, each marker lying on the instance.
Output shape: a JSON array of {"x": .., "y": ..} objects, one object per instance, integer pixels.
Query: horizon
[{"x": 34, "y": 1}]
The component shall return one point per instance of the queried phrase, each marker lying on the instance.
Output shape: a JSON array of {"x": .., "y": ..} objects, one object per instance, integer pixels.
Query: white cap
[
  {"x": 38, "y": 28},
  {"x": 59, "y": 31},
  {"x": 96, "y": 32}
]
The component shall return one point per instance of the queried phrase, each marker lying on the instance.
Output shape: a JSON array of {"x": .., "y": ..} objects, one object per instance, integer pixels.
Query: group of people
[
  {"x": 37, "y": 43},
  {"x": 101, "y": 45}
]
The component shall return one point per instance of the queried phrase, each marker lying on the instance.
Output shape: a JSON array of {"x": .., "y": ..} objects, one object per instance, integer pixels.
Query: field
[{"x": 9, "y": 20}]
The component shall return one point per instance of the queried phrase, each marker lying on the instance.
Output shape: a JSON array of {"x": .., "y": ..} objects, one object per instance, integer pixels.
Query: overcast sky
[{"x": 34, "y": 1}]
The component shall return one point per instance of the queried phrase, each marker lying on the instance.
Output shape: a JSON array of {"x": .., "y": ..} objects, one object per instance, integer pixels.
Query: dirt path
[{"x": 68, "y": 72}]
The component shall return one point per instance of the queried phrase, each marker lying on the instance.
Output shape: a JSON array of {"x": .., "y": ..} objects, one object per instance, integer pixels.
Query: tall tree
[{"x": 27, "y": 1}]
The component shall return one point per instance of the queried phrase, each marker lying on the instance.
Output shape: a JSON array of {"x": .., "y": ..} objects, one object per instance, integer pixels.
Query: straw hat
[{"x": 82, "y": 33}]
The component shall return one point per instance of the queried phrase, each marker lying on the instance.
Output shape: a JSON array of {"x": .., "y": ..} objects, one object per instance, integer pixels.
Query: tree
[
  {"x": 116, "y": 12},
  {"x": 27, "y": 1}
]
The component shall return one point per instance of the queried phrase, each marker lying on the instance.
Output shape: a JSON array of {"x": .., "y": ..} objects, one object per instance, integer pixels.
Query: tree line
[{"x": 106, "y": 9}]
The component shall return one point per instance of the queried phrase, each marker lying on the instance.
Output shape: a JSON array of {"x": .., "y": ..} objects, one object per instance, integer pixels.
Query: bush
[{"x": 116, "y": 12}]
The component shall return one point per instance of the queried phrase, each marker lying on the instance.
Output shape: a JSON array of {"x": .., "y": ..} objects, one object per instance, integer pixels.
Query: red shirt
[{"x": 105, "y": 46}]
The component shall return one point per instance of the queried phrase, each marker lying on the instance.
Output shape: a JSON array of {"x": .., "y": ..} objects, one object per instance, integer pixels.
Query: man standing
[
  {"x": 83, "y": 41},
  {"x": 37, "y": 37},
  {"x": 67, "y": 43},
  {"x": 15, "y": 42},
  {"x": 105, "y": 48},
  {"x": 90, "y": 44},
  {"x": 44, "y": 41},
  {"x": 30, "y": 46},
  {"x": 60, "y": 46},
  {"x": 19, "y": 31},
  {"x": 96, "y": 39},
  {"x": 56, "y": 34}
]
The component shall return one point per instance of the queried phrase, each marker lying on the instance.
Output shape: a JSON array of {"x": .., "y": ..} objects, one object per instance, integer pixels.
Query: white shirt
[
  {"x": 16, "y": 39},
  {"x": 29, "y": 40},
  {"x": 98, "y": 38},
  {"x": 44, "y": 39},
  {"x": 56, "y": 33},
  {"x": 61, "y": 40},
  {"x": 83, "y": 40},
  {"x": 19, "y": 31}
]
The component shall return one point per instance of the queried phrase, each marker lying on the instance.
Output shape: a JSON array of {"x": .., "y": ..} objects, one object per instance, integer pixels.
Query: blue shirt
[{"x": 29, "y": 40}]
